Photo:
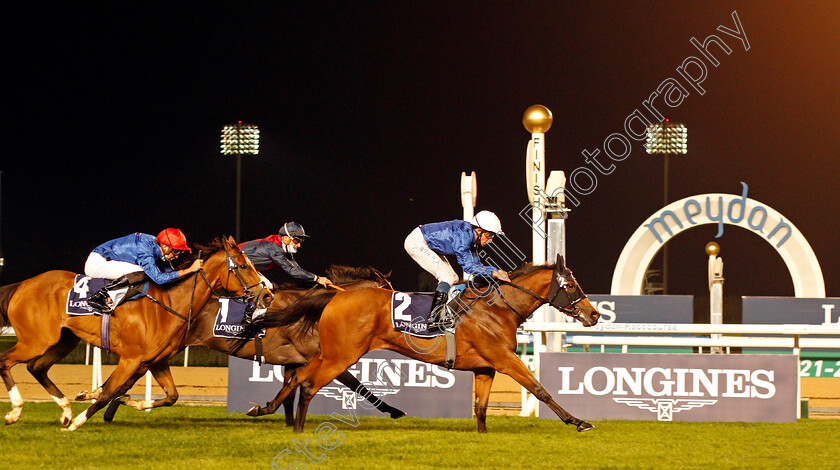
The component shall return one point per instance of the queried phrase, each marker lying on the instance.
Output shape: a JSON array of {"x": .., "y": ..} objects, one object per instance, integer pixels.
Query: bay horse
[
  {"x": 142, "y": 333},
  {"x": 288, "y": 345},
  {"x": 353, "y": 323}
]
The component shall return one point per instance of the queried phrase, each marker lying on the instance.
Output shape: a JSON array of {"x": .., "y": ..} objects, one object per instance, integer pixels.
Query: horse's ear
[
  {"x": 561, "y": 262},
  {"x": 230, "y": 242}
]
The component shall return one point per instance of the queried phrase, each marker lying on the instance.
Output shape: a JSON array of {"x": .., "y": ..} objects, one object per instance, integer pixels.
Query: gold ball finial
[
  {"x": 537, "y": 119},
  {"x": 712, "y": 249}
]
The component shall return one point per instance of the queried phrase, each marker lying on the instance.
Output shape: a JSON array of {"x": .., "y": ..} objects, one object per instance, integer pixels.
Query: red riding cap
[{"x": 174, "y": 238}]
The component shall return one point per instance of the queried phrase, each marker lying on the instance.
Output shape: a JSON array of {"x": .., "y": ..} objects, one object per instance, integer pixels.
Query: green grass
[{"x": 209, "y": 438}]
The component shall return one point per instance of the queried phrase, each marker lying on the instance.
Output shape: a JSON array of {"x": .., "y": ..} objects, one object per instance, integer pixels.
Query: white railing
[
  {"x": 7, "y": 331},
  {"x": 792, "y": 336}
]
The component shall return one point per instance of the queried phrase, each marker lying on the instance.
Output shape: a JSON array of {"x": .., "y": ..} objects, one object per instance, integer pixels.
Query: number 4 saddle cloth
[{"x": 84, "y": 287}]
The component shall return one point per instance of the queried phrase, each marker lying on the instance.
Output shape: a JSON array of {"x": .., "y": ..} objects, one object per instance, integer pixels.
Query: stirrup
[{"x": 101, "y": 301}]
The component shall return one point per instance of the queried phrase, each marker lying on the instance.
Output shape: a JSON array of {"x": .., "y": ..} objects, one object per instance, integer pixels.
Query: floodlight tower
[
  {"x": 239, "y": 139},
  {"x": 666, "y": 138}
]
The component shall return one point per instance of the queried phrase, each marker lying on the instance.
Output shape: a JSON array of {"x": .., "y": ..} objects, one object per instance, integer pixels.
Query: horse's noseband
[{"x": 564, "y": 287}]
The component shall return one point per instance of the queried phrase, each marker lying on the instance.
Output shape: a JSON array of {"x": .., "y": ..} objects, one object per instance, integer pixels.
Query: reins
[
  {"x": 495, "y": 284},
  {"x": 188, "y": 318}
]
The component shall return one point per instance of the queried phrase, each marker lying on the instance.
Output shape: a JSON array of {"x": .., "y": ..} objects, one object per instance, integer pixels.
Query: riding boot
[
  {"x": 135, "y": 287},
  {"x": 101, "y": 300},
  {"x": 438, "y": 304}
]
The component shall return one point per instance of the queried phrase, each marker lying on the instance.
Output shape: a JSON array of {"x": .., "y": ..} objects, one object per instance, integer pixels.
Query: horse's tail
[
  {"x": 307, "y": 310},
  {"x": 6, "y": 293}
]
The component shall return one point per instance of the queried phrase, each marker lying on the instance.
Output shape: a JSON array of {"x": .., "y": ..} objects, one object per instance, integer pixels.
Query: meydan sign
[{"x": 719, "y": 209}]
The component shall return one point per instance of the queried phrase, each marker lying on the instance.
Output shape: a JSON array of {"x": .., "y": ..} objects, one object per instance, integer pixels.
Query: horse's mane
[
  {"x": 208, "y": 249},
  {"x": 528, "y": 268},
  {"x": 184, "y": 261},
  {"x": 341, "y": 274}
]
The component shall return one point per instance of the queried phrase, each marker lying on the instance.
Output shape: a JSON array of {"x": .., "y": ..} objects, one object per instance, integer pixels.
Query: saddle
[{"x": 84, "y": 286}]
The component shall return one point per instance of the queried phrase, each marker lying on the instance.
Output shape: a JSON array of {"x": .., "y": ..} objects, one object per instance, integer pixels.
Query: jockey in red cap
[{"x": 130, "y": 259}]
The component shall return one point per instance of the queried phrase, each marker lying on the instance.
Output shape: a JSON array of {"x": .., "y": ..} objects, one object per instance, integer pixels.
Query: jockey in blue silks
[
  {"x": 130, "y": 259},
  {"x": 429, "y": 244}
]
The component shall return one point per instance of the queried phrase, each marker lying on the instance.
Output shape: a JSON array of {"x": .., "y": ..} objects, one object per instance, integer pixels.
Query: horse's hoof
[
  {"x": 584, "y": 426},
  {"x": 82, "y": 396},
  {"x": 397, "y": 414},
  {"x": 254, "y": 411},
  {"x": 65, "y": 421}
]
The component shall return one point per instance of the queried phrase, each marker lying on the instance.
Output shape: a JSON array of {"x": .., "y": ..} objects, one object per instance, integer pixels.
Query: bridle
[
  {"x": 234, "y": 269},
  {"x": 564, "y": 293}
]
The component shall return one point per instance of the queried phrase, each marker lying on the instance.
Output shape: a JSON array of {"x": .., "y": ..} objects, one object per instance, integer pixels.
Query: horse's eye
[{"x": 571, "y": 287}]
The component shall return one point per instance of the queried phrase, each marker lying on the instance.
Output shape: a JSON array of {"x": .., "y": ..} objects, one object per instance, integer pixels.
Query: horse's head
[
  {"x": 565, "y": 294},
  {"x": 241, "y": 277}
]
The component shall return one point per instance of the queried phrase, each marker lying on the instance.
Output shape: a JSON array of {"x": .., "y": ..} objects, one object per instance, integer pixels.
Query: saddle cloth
[
  {"x": 410, "y": 314},
  {"x": 229, "y": 318},
  {"x": 83, "y": 287}
]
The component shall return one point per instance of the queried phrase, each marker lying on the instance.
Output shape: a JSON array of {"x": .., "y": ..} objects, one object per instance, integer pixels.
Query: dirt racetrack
[{"x": 204, "y": 385}]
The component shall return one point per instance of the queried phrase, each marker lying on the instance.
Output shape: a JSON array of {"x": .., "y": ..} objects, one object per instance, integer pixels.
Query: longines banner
[
  {"x": 781, "y": 310},
  {"x": 658, "y": 309},
  {"x": 672, "y": 387},
  {"x": 419, "y": 389},
  {"x": 644, "y": 308}
]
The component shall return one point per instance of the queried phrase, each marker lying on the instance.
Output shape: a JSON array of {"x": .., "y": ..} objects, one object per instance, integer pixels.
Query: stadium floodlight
[
  {"x": 240, "y": 139},
  {"x": 666, "y": 138}
]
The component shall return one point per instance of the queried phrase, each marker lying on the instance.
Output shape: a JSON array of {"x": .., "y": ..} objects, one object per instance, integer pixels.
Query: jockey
[
  {"x": 129, "y": 259},
  {"x": 278, "y": 250},
  {"x": 429, "y": 244}
]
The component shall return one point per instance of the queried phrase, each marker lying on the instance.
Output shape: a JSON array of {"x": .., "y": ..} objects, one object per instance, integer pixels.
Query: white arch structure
[{"x": 715, "y": 208}]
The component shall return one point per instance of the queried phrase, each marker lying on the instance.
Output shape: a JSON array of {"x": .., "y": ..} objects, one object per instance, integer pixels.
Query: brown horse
[
  {"x": 289, "y": 345},
  {"x": 142, "y": 333},
  {"x": 355, "y": 322}
]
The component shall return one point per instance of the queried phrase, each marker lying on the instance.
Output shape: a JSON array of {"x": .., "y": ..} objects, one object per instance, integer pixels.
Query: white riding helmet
[{"x": 488, "y": 221}]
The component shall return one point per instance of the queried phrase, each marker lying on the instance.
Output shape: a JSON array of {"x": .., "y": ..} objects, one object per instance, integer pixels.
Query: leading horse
[
  {"x": 142, "y": 333},
  {"x": 352, "y": 323}
]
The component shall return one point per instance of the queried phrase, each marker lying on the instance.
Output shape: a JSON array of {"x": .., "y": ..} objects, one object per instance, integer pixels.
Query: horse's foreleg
[
  {"x": 289, "y": 386},
  {"x": 325, "y": 373},
  {"x": 483, "y": 384},
  {"x": 119, "y": 382},
  {"x": 84, "y": 395},
  {"x": 353, "y": 383},
  {"x": 163, "y": 376},
  {"x": 516, "y": 369},
  {"x": 40, "y": 366}
]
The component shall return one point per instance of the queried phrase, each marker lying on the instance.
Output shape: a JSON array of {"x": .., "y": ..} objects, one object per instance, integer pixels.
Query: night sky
[{"x": 370, "y": 111}]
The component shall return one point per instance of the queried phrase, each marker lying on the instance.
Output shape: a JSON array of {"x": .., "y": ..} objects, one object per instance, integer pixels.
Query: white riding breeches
[
  {"x": 98, "y": 266},
  {"x": 437, "y": 265}
]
